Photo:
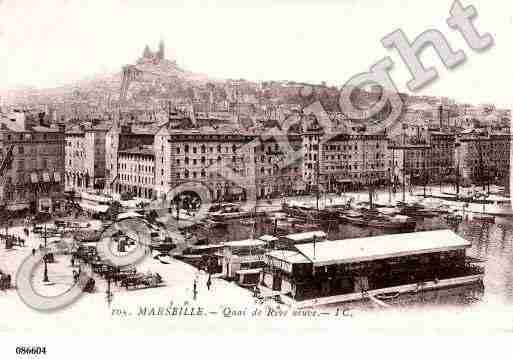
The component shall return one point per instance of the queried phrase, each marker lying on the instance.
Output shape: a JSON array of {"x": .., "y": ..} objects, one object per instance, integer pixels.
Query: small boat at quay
[
  {"x": 375, "y": 219},
  {"x": 484, "y": 218},
  {"x": 416, "y": 210},
  {"x": 227, "y": 211},
  {"x": 301, "y": 211}
]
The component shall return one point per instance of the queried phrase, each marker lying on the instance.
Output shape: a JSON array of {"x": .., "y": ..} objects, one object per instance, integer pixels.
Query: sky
[{"x": 54, "y": 42}]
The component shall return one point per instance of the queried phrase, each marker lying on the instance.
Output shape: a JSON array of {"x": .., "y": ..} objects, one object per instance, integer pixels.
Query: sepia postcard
[{"x": 189, "y": 169}]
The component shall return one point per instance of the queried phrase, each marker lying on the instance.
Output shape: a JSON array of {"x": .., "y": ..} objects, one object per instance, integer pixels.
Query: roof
[
  {"x": 207, "y": 246},
  {"x": 268, "y": 238},
  {"x": 44, "y": 129},
  {"x": 101, "y": 127},
  {"x": 129, "y": 215},
  {"x": 141, "y": 150},
  {"x": 298, "y": 237},
  {"x": 245, "y": 243},
  {"x": 75, "y": 131},
  {"x": 288, "y": 256},
  {"x": 381, "y": 247},
  {"x": 143, "y": 131}
]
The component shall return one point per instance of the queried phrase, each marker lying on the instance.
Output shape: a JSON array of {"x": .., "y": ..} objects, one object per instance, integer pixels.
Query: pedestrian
[
  {"x": 33, "y": 252},
  {"x": 72, "y": 261},
  {"x": 209, "y": 282},
  {"x": 194, "y": 290}
]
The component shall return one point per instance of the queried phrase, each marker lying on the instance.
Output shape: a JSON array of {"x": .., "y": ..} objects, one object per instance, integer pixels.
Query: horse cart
[
  {"x": 89, "y": 286},
  {"x": 141, "y": 280},
  {"x": 5, "y": 281},
  {"x": 117, "y": 275}
]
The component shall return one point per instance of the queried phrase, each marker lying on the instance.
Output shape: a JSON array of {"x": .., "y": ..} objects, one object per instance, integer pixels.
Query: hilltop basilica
[{"x": 150, "y": 57}]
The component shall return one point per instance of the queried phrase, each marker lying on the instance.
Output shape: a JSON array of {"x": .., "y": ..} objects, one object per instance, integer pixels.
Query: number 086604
[{"x": 30, "y": 350}]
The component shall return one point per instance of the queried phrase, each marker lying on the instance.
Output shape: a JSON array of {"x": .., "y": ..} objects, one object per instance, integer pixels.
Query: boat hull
[
  {"x": 411, "y": 291},
  {"x": 409, "y": 225}
]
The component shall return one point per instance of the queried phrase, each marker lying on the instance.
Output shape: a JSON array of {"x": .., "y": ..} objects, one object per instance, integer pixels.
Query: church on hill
[{"x": 150, "y": 57}]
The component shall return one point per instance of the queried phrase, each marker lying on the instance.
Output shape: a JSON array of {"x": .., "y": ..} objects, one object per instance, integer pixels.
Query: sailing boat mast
[
  {"x": 481, "y": 170},
  {"x": 317, "y": 171},
  {"x": 366, "y": 175}
]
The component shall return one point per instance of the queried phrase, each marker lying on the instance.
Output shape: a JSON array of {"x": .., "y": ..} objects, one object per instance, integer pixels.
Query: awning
[
  {"x": 129, "y": 215},
  {"x": 17, "y": 206},
  {"x": 98, "y": 208},
  {"x": 236, "y": 190},
  {"x": 249, "y": 271},
  {"x": 34, "y": 178},
  {"x": 57, "y": 176},
  {"x": 299, "y": 186}
]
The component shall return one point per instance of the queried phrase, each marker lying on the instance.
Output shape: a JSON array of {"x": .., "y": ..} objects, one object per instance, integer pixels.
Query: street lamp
[{"x": 45, "y": 276}]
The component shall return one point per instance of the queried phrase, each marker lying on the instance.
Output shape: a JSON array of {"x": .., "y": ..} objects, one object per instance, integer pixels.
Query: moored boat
[
  {"x": 227, "y": 211},
  {"x": 372, "y": 268},
  {"x": 375, "y": 219}
]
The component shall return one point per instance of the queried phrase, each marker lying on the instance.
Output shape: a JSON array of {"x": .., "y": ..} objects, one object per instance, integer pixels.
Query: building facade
[
  {"x": 276, "y": 175},
  {"x": 85, "y": 155},
  {"x": 119, "y": 140},
  {"x": 484, "y": 157},
  {"x": 345, "y": 161},
  {"x": 223, "y": 162},
  {"x": 136, "y": 171},
  {"x": 32, "y": 164}
]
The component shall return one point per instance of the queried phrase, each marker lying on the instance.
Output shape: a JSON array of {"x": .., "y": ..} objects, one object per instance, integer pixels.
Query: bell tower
[{"x": 161, "y": 53}]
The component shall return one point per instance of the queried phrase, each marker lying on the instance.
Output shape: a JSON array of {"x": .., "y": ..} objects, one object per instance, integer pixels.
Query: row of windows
[
  {"x": 30, "y": 137},
  {"x": 344, "y": 147},
  {"x": 137, "y": 179},
  {"x": 203, "y": 160},
  {"x": 135, "y": 167},
  {"x": 204, "y": 149},
  {"x": 43, "y": 163},
  {"x": 354, "y": 167}
]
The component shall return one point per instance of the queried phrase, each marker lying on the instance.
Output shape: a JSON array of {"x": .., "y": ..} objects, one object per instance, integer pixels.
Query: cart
[
  {"x": 139, "y": 280},
  {"x": 5, "y": 281}
]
